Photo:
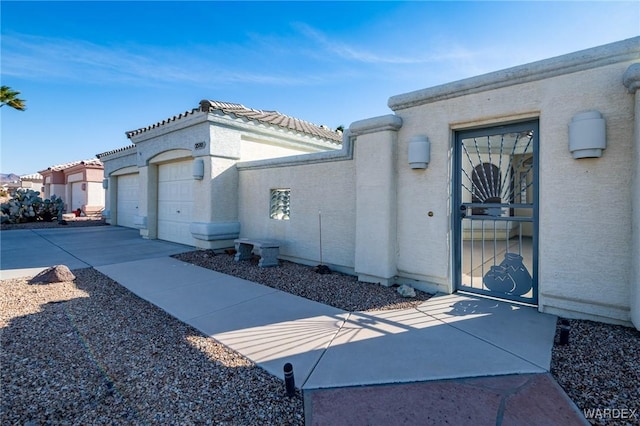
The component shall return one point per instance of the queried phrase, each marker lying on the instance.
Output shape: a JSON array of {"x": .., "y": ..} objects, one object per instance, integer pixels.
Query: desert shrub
[{"x": 26, "y": 205}]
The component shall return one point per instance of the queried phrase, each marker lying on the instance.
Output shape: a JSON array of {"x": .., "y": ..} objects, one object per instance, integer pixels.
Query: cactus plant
[{"x": 26, "y": 205}]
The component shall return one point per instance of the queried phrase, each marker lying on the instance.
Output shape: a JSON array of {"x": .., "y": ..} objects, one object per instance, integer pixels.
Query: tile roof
[
  {"x": 132, "y": 133},
  {"x": 90, "y": 162},
  {"x": 114, "y": 151},
  {"x": 273, "y": 118},
  {"x": 33, "y": 176}
]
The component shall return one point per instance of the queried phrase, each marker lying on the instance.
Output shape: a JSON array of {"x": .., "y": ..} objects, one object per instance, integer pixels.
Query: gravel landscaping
[
  {"x": 335, "y": 289},
  {"x": 78, "y": 222},
  {"x": 600, "y": 370},
  {"x": 91, "y": 352}
]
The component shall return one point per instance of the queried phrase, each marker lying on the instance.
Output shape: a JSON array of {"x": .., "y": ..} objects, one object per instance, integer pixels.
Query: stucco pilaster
[
  {"x": 111, "y": 201},
  {"x": 631, "y": 81},
  {"x": 215, "y": 215},
  {"x": 376, "y": 206},
  {"x": 148, "y": 200}
]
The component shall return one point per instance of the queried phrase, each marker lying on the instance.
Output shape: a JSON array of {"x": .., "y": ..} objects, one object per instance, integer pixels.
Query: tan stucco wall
[
  {"x": 328, "y": 188},
  {"x": 94, "y": 175},
  {"x": 254, "y": 150},
  {"x": 375, "y": 156},
  {"x": 75, "y": 177},
  {"x": 95, "y": 195},
  {"x": 632, "y": 82},
  {"x": 585, "y": 259}
]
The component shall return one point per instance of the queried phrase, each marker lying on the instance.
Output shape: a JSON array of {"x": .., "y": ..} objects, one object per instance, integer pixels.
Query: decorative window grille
[{"x": 280, "y": 204}]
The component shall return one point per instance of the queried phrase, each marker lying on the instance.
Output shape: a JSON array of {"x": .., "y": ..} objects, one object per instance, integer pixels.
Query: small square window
[{"x": 280, "y": 207}]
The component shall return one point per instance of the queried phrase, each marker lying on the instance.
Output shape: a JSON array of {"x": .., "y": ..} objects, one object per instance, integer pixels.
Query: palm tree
[{"x": 8, "y": 97}]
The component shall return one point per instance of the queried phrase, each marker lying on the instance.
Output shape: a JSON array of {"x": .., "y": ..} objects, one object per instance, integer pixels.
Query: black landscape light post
[
  {"x": 289, "y": 381},
  {"x": 564, "y": 332}
]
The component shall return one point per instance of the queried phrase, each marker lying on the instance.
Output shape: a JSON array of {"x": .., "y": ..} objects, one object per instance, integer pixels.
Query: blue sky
[{"x": 90, "y": 71}]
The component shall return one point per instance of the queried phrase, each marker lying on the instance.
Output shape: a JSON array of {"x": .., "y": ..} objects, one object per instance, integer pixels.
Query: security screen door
[{"x": 496, "y": 211}]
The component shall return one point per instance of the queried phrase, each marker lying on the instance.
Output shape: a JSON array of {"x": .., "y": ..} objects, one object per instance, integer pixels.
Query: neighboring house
[
  {"x": 33, "y": 182},
  {"x": 78, "y": 183},
  {"x": 521, "y": 184}
]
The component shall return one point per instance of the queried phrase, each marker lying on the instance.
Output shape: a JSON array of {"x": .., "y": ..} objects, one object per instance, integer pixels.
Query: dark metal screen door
[{"x": 495, "y": 209}]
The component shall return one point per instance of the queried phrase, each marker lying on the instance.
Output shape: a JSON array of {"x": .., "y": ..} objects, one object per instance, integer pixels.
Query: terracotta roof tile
[
  {"x": 132, "y": 133},
  {"x": 273, "y": 118},
  {"x": 33, "y": 176},
  {"x": 90, "y": 162},
  {"x": 124, "y": 148}
]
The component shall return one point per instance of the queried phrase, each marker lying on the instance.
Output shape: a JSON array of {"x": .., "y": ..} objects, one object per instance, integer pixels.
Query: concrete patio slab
[
  {"x": 407, "y": 346},
  {"x": 155, "y": 275},
  {"x": 520, "y": 330},
  {"x": 202, "y": 298},
  {"x": 273, "y": 307},
  {"x": 274, "y": 329}
]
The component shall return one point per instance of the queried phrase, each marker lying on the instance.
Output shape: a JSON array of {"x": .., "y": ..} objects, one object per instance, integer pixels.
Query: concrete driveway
[{"x": 27, "y": 252}]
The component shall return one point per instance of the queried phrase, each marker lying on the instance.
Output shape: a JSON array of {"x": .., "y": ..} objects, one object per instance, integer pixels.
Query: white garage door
[
  {"x": 77, "y": 196},
  {"x": 127, "y": 203},
  {"x": 175, "y": 202}
]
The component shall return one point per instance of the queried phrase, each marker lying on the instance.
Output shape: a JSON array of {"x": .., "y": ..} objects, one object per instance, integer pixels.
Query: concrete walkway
[{"x": 455, "y": 358}]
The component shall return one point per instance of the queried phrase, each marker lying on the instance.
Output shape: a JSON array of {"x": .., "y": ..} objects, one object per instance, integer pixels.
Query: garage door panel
[
  {"x": 127, "y": 199},
  {"x": 178, "y": 212},
  {"x": 175, "y": 202},
  {"x": 172, "y": 172},
  {"x": 77, "y": 196}
]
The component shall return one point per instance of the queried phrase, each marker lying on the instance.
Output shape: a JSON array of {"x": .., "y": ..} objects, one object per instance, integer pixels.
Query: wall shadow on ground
[{"x": 99, "y": 354}]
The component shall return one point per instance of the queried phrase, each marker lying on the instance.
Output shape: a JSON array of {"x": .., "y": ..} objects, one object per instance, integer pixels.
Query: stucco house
[
  {"x": 521, "y": 184},
  {"x": 178, "y": 181},
  {"x": 78, "y": 183},
  {"x": 32, "y": 181}
]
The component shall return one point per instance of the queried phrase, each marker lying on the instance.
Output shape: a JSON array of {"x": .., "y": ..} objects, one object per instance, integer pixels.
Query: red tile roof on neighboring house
[
  {"x": 60, "y": 167},
  {"x": 33, "y": 176},
  {"x": 114, "y": 151},
  {"x": 268, "y": 117}
]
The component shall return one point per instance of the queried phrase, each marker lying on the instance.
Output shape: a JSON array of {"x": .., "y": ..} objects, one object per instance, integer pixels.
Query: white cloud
[
  {"x": 32, "y": 57},
  {"x": 423, "y": 51}
]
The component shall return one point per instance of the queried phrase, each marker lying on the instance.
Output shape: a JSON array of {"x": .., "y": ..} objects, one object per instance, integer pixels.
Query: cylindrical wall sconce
[
  {"x": 587, "y": 136},
  {"x": 198, "y": 168},
  {"x": 105, "y": 183},
  {"x": 419, "y": 152}
]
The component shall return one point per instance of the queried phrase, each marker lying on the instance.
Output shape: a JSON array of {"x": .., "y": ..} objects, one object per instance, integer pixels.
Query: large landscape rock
[{"x": 55, "y": 274}]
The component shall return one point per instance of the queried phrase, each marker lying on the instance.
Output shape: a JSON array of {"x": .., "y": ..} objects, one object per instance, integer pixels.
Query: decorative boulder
[
  {"x": 406, "y": 291},
  {"x": 55, "y": 274}
]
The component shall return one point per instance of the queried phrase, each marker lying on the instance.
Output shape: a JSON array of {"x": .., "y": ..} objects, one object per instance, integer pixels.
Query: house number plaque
[{"x": 199, "y": 145}]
